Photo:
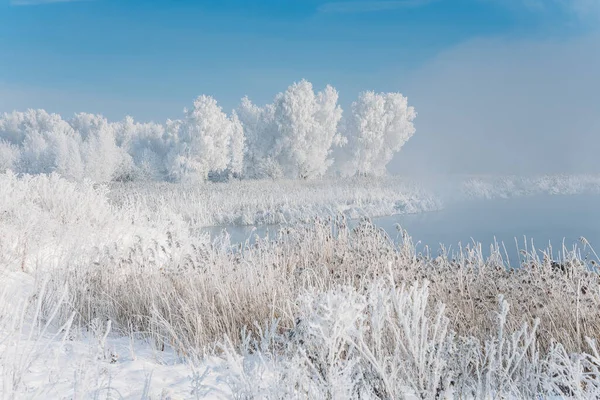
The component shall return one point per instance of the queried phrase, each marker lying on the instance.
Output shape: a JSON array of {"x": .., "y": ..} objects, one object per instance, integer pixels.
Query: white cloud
[
  {"x": 347, "y": 7},
  {"x": 582, "y": 9}
]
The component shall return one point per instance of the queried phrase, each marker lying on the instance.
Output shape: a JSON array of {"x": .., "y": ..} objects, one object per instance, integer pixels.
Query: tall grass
[
  {"x": 281, "y": 201},
  {"x": 213, "y": 291},
  {"x": 320, "y": 310}
]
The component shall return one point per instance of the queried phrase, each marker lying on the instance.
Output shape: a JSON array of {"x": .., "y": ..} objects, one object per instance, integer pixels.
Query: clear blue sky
[{"x": 155, "y": 56}]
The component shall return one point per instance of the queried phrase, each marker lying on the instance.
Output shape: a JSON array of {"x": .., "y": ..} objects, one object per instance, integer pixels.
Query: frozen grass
[
  {"x": 291, "y": 201},
  {"x": 41, "y": 358},
  {"x": 277, "y": 202},
  {"x": 488, "y": 187},
  {"x": 192, "y": 301},
  {"x": 318, "y": 311}
]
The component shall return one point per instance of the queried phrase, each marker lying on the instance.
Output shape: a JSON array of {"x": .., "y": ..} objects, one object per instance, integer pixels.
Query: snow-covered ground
[
  {"x": 114, "y": 292},
  {"x": 40, "y": 361}
]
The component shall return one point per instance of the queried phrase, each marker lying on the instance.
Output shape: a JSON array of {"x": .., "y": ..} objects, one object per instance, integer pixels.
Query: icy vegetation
[
  {"x": 489, "y": 187},
  {"x": 110, "y": 288},
  {"x": 112, "y": 291},
  {"x": 257, "y": 202},
  {"x": 295, "y": 137},
  {"x": 280, "y": 202}
]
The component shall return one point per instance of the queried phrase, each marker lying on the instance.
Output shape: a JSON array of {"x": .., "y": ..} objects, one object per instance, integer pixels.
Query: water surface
[{"x": 543, "y": 220}]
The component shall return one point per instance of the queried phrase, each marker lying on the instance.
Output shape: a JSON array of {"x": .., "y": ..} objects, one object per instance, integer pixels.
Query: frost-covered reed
[
  {"x": 195, "y": 298},
  {"x": 319, "y": 310},
  {"x": 279, "y": 202}
]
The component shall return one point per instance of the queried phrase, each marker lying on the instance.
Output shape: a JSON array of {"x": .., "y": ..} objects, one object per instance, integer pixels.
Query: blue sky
[
  {"x": 163, "y": 53},
  {"x": 480, "y": 72}
]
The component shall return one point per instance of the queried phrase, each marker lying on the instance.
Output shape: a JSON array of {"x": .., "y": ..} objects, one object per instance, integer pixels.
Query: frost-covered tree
[
  {"x": 237, "y": 145},
  {"x": 378, "y": 126},
  {"x": 38, "y": 142},
  {"x": 9, "y": 155},
  {"x": 16, "y": 126},
  {"x": 294, "y": 135},
  {"x": 64, "y": 144},
  {"x": 307, "y": 129},
  {"x": 147, "y": 146},
  {"x": 103, "y": 159},
  {"x": 201, "y": 142},
  {"x": 261, "y": 134}
]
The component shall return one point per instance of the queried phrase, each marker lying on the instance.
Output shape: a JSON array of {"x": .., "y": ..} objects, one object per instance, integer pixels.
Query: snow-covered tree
[
  {"x": 103, "y": 159},
  {"x": 261, "y": 134},
  {"x": 65, "y": 154},
  {"x": 237, "y": 145},
  {"x": 377, "y": 128},
  {"x": 294, "y": 135},
  {"x": 307, "y": 129},
  {"x": 9, "y": 155},
  {"x": 202, "y": 141},
  {"x": 147, "y": 146},
  {"x": 38, "y": 142},
  {"x": 16, "y": 126}
]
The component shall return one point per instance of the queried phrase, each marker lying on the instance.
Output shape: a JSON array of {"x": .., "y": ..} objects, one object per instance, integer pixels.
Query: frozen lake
[{"x": 543, "y": 219}]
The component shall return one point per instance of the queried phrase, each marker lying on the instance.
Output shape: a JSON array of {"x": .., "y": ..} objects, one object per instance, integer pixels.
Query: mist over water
[
  {"x": 536, "y": 222},
  {"x": 525, "y": 223},
  {"x": 505, "y": 107}
]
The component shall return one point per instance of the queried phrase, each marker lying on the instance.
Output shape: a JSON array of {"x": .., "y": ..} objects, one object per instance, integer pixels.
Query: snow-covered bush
[
  {"x": 104, "y": 161},
  {"x": 386, "y": 342},
  {"x": 147, "y": 145},
  {"x": 298, "y": 136},
  {"x": 293, "y": 136},
  {"x": 47, "y": 221},
  {"x": 202, "y": 142},
  {"x": 377, "y": 127}
]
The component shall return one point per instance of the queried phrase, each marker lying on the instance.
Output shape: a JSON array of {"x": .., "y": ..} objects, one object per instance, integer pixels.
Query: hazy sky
[
  {"x": 498, "y": 105},
  {"x": 499, "y": 85}
]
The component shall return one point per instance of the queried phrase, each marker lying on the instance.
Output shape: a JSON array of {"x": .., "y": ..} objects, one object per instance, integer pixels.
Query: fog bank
[{"x": 498, "y": 106}]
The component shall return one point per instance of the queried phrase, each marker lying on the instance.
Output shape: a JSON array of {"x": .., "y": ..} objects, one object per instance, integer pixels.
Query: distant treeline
[{"x": 300, "y": 135}]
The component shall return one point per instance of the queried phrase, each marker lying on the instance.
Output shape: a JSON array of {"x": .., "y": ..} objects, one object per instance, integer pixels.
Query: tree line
[{"x": 302, "y": 134}]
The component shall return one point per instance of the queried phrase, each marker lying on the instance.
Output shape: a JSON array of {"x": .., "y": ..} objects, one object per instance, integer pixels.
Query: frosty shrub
[
  {"x": 386, "y": 342},
  {"x": 377, "y": 127},
  {"x": 296, "y": 132},
  {"x": 203, "y": 142},
  {"x": 294, "y": 137}
]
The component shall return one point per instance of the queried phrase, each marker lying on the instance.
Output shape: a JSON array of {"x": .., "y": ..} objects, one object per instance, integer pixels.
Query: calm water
[{"x": 543, "y": 219}]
